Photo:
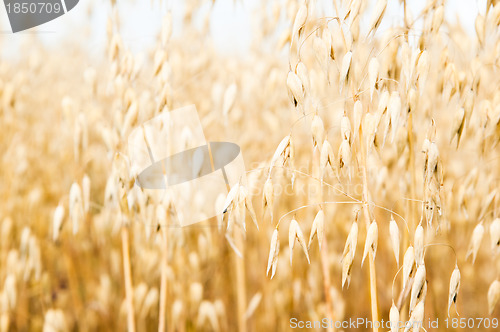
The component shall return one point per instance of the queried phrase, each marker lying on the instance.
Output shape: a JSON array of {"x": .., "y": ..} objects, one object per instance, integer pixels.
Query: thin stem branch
[
  {"x": 354, "y": 200},
  {"x": 393, "y": 282},
  {"x": 444, "y": 245},
  {"x": 310, "y": 205}
]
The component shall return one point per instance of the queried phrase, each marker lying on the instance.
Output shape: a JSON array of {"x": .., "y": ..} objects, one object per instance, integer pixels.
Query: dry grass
[{"x": 362, "y": 137}]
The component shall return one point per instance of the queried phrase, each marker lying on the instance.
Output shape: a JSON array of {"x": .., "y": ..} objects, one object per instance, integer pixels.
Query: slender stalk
[
  {"x": 412, "y": 213},
  {"x": 240, "y": 284},
  {"x": 129, "y": 290},
  {"x": 241, "y": 296},
  {"x": 163, "y": 286},
  {"x": 373, "y": 271},
  {"x": 324, "y": 249},
  {"x": 412, "y": 169},
  {"x": 327, "y": 283}
]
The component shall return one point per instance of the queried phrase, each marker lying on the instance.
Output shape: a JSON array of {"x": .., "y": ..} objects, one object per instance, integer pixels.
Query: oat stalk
[{"x": 127, "y": 273}]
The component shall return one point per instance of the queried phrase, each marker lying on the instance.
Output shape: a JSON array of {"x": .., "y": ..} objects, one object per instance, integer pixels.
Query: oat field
[{"x": 372, "y": 191}]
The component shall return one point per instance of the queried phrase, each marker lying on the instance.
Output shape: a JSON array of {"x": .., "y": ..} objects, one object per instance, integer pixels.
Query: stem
[
  {"x": 373, "y": 272},
  {"x": 324, "y": 249},
  {"x": 327, "y": 282},
  {"x": 412, "y": 168},
  {"x": 163, "y": 286},
  {"x": 412, "y": 212},
  {"x": 240, "y": 283},
  {"x": 241, "y": 296},
  {"x": 129, "y": 291}
]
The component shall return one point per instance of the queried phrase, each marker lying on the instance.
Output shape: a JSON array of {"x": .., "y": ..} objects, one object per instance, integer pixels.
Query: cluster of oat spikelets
[{"x": 384, "y": 136}]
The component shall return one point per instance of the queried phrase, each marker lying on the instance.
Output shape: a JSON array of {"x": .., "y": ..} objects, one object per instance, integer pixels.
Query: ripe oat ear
[
  {"x": 418, "y": 242},
  {"x": 373, "y": 74},
  {"x": 327, "y": 38},
  {"x": 418, "y": 286},
  {"x": 317, "y": 229},
  {"x": 408, "y": 265},
  {"x": 344, "y": 70},
  {"x": 345, "y": 128},
  {"x": 57, "y": 222},
  {"x": 475, "y": 242},
  {"x": 454, "y": 288},
  {"x": 296, "y": 90},
  {"x": 253, "y": 304},
  {"x": 303, "y": 74},
  {"x": 273, "y": 253},
  {"x": 281, "y": 151},
  {"x": 299, "y": 23},
  {"x": 294, "y": 232},
  {"x": 318, "y": 131},
  {"x": 377, "y": 15},
  {"x": 371, "y": 241},
  {"x": 345, "y": 157},
  {"x": 247, "y": 202},
  {"x": 416, "y": 317},
  {"x": 457, "y": 126},
  {"x": 495, "y": 235},
  {"x": 327, "y": 158},
  {"x": 231, "y": 198},
  {"x": 358, "y": 116},
  {"x": 493, "y": 295},
  {"x": 268, "y": 197},
  {"x": 346, "y": 270},
  {"x": 349, "y": 253},
  {"x": 412, "y": 100},
  {"x": 394, "y": 318}
]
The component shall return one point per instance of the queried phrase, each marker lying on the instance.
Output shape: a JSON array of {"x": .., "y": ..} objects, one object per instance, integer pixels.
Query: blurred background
[
  {"x": 82, "y": 249},
  {"x": 230, "y": 22}
]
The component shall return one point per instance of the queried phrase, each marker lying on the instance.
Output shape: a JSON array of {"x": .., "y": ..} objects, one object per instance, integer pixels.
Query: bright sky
[{"x": 230, "y": 22}]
